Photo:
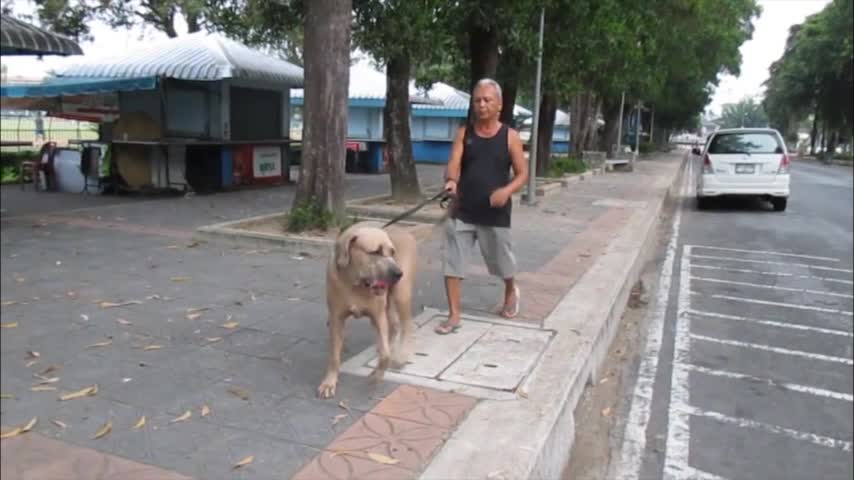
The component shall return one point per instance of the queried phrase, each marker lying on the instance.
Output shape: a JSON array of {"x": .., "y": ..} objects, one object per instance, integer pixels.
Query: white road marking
[
  {"x": 776, "y": 304},
  {"x": 771, "y": 323},
  {"x": 791, "y": 433},
  {"x": 772, "y": 287},
  {"x": 678, "y": 444},
  {"x": 769, "y": 262},
  {"x": 769, "y": 348},
  {"x": 819, "y": 392},
  {"x": 776, "y": 274},
  {"x": 634, "y": 438},
  {"x": 765, "y": 252}
]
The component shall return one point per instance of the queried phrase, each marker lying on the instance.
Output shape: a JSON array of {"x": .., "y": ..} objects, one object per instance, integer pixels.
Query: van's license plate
[{"x": 744, "y": 168}]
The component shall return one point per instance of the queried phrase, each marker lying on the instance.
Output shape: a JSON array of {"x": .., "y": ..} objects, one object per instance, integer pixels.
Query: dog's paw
[{"x": 326, "y": 389}]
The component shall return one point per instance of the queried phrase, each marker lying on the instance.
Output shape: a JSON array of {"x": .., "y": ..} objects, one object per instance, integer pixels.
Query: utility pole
[
  {"x": 651, "y": 124},
  {"x": 532, "y": 161},
  {"x": 620, "y": 124}
]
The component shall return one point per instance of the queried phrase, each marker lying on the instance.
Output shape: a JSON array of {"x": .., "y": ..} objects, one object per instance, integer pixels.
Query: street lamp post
[{"x": 532, "y": 161}]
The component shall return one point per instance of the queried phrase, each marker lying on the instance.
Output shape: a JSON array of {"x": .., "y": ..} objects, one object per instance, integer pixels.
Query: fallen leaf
[
  {"x": 182, "y": 418},
  {"x": 104, "y": 430},
  {"x": 9, "y": 325},
  {"x": 151, "y": 347},
  {"x": 29, "y": 426},
  {"x": 6, "y": 396},
  {"x": 244, "y": 462},
  {"x": 239, "y": 393},
  {"x": 33, "y": 354},
  {"x": 197, "y": 309},
  {"x": 123, "y": 321},
  {"x": 213, "y": 339},
  {"x": 604, "y": 380},
  {"x": 100, "y": 344},
  {"x": 83, "y": 392},
  {"x": 71, "y": 294},
  {"x": 120, "y": 304},
  {"x": 606, "y": 412},
  {"x": 49, "y": 369},
  {"x": 498, "y": 474},
  {"x": 139, "y": 423},
  {"x": 380, "y": 458},
  {"x": 252, "y": 296},
  {"x": 42, "y": 388},
  {"x": 522, "y": 393},
  {"x": 20, "y": 279},
  {"x": 6, "y": 303},
  {"x": 31, "y": 363},
  {"x": 193, "y": 316},
  {"x": 338, "y": 418},
  {"x": 47, "y": 381},
  {"x": 11, "y": 433},
  {"x": 84, "y": 317},
  {"x": 193, "y": 244},
  {"x": 345, "y": 405},
  {"x": 206, "y": 410},
  {"x": 230, "y": 325},
  {"x": 171, "y": 247},
  {"x": 59, "y": 424},
  {"x": 178, "y": 279}
]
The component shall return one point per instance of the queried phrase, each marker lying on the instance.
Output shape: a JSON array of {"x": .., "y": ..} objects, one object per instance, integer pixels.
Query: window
[{"x": 753, "y": 143}]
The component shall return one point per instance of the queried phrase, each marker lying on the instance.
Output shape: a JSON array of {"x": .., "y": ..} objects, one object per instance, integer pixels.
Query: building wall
[{"x": 364, "y": 123}]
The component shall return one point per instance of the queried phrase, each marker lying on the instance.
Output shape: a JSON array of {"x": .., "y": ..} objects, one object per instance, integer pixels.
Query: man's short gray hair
[{"x": 490, "y": 82}]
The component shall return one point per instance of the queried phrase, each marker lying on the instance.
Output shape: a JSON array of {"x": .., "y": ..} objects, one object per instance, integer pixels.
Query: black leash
[{"x": 443, "y": 197}]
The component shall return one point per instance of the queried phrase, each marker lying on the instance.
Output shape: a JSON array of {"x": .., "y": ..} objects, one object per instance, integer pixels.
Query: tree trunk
[
  {"x": 483, "y": 50},
  {"x": 401, "y": 163},
  {"x": 508, "y": 76},
  {"x": 591, "y": 135},
  {"x": 814, "y": 132},
  {"x": 548, "y": 108},
  {"x": 327, "y": 76},
  {"x": 611, "y": 110},
  {"x": 577, "y": 121}
]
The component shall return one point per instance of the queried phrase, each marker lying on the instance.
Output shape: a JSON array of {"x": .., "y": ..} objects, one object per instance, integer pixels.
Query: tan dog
[{"x": 371, "y": 274}]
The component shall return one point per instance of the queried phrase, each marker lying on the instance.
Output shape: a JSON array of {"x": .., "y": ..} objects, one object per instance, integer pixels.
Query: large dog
[{"x": 370, "y": 274}]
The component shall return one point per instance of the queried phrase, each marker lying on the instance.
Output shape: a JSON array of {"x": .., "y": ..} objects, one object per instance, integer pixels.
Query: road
[{"x": 747, "y": 369}]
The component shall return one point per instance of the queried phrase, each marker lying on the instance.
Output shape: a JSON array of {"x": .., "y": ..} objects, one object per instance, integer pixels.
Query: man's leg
[
  {"x": 496, "y": 246},
  {"x": 459, "y": 238}
]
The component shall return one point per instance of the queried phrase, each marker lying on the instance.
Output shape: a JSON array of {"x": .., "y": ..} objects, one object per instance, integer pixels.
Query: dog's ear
[{"x": 342, "y": 249}]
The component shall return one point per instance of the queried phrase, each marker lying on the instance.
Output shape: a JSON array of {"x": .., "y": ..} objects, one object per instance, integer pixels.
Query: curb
[{"x": 532, "y": 437}]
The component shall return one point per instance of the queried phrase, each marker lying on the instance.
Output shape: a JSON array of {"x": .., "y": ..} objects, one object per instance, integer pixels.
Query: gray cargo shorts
[{"x": 496, "y": 247}]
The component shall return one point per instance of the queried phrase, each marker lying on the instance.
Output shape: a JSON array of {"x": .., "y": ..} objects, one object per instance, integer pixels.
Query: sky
[{"x": 766, "y": 46}]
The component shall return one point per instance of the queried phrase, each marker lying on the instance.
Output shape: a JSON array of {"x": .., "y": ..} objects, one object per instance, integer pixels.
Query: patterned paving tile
[{"x": 426, "y": 406}]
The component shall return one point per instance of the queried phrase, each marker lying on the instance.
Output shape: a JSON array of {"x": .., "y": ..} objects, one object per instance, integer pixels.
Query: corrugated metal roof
[
  {"x": 366, "y": 83},
  {"x": 454, "y": 99},
  {"x": 197, "y": 56},
  {"x": 21, "y": 38}
]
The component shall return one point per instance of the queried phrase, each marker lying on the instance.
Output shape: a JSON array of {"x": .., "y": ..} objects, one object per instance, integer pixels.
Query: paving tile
[
  {"x": 344, "y": 466},
  {"x": 412, "y": 444},
  {"x": 426, "y": 406},
  {"x": 35, "y": 457}
]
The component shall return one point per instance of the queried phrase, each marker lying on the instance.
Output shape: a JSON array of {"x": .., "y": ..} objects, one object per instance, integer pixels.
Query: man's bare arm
[
  {"x": 520, "y": 166},
  {"x": 456, "y": 159}
]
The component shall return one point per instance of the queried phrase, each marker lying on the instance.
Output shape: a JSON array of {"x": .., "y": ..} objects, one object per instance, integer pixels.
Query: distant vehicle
[{"x": 744, "y": 162}]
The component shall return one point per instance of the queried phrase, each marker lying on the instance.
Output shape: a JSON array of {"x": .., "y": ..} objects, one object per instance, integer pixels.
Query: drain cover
[{"x": 487, "y": 357}]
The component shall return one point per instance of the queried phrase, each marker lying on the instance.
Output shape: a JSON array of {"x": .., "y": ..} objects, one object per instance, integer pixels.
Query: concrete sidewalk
[{"x": 237, "y": 338}]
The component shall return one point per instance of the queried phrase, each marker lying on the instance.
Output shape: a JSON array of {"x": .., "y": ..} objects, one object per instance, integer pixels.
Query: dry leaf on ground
[
  {"x": 46, "y": 380},
  {"x": 244, "y": 462},
  {"x": 31, "y": 363},
  {"x": 49, "y": 369},
  {"x": 606, "y": 412},
  {"x": 230, "y": 325},
  {"x": 83, "y": 392},
  {"x": 206, "y": 410},
  {"x": 9, "y": 325},
  {"x": 42, "y": 388},
  {"x": 182, "y": 418},
  {"x": 178, "y": 279},
  {"x": 380, "y": 458},
  {"x": 197, "y": 310},
  {"x": 213, "y": 339},
  {"x": 104, "y": 430},
  {"x": 151, "y": 347},
  {"x": 11, "y": 433},
  {"x": 29, "y": 426},
  {"x": 100, "y": 344},
  {"x": 139, "y": 423},
  {"x": 345, "y": 405},
  {"x": 32, "y": 354},
  {"x": 7, "y": 303},
  {"x": 120, "y": 304},
  {"x": 193, "y": 316},
  {"x": 193, "y": 244},
  {"x": 522, "y": 393},
  {"x": 338, "y": 418},
  {"x": 6, "y": 396},
  {"x": 59, "y": 423},
  {"x": 123, "y": 321},
  {"x": 239, "y": 393}
]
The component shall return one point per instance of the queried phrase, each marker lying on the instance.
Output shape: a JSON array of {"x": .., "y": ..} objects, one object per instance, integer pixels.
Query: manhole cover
[{"x": 486, "y": 358}]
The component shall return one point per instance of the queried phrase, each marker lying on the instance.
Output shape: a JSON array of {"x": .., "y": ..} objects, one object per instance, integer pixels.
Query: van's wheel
[{"x": 779, "y": 203}]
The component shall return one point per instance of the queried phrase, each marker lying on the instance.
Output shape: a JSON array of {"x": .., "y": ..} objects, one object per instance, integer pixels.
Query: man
[{"x": 479, "y": 175}]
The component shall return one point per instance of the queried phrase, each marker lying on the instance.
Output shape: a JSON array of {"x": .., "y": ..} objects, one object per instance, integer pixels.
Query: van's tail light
[
  {"x": 707, "y": 164},
  {"x": 784, "y": 164}
]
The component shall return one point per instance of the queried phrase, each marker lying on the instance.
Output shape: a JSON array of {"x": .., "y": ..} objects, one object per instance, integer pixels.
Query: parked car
[{"x": 744, "y": 162}]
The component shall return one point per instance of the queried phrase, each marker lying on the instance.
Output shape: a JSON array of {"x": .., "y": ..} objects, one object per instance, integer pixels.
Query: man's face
[{"x": 486, "y": 103}]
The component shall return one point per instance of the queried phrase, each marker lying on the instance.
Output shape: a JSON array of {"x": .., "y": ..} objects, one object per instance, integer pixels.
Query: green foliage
[
  {"x": 646, "y": 147},
  {"x": 746, "y": 113},
  {"x": 309, "y": 216},
  {"x": 561, "y": 165}
]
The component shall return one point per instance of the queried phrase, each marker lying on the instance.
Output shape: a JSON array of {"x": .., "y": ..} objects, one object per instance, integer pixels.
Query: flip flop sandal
[
  {"x": 515, "y": 312},
  {"x": 444, "y": 328}
]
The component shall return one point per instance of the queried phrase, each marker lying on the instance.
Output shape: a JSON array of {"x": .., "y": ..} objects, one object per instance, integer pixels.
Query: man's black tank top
[{"x": 485, "y": 168}]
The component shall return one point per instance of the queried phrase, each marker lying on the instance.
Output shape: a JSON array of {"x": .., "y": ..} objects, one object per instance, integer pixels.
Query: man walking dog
[{"x": 479, "y": 175}]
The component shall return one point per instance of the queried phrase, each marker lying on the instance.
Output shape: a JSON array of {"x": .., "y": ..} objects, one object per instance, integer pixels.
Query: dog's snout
[{"x": 396, "y": 274}]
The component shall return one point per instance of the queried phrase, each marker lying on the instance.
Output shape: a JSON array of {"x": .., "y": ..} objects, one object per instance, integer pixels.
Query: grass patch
[
  {"x": 646, "y": 147},
  {"x": 566, "y": 164},
  {"x": 9, "y": 174},
  {"x": 312, "y": 217}
]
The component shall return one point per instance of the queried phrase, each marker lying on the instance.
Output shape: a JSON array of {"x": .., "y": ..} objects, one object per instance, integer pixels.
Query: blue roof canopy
[{"x": 60, "y": 86}]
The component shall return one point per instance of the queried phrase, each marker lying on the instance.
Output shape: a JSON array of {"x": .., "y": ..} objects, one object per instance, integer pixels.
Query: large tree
[{"x": 746, "y": 113}]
